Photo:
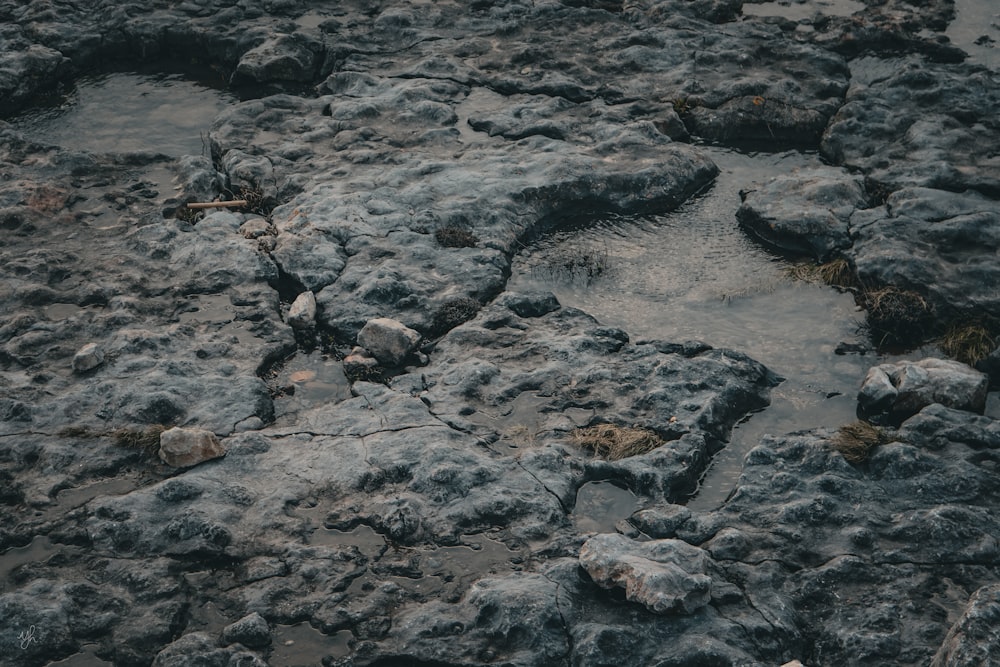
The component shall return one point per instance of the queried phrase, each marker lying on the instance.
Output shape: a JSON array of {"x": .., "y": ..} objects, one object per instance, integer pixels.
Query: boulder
[
  {"x": 185, "y": 447},
  {"x": 388, "y": 340},
  {"x": 302, "y": 313},
  {"x": 904, "y": 388},
  {"x": 251, "y": 631},
  {"x": 665, "y": 576},
  {"x": 88, "y": 357},
  {"x": 973, "y": 640}
]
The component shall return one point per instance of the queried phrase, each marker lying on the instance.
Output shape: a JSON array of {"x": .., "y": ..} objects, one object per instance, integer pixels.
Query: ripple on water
[
  {"x": 693, "y": 274},
  {"x": 117, "y": 112}
]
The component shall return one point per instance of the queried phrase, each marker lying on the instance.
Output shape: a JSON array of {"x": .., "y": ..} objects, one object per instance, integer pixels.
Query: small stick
[{"x": 236, "y": 203}]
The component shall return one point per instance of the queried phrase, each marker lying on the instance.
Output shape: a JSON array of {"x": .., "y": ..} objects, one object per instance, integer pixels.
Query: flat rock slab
[{"x": 804, "y": 213}]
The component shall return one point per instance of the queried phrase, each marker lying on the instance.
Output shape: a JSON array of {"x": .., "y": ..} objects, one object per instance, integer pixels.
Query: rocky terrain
[{"x": 163, "y": 504}]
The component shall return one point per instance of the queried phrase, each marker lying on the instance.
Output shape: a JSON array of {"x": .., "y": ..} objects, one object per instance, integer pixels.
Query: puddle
[
  {"x": 693, "y": 274},
  {"x": 129, "y": 112},
  {"x": 68, "y": 499},
  {"x": 976, "y": 30},
  {"x": 519, "y": 425},
  {"x": 216, "y": 312},
  {"x": 363, "y": 537},
  {"x": 301, "y": 645},
  {"x": 803, "y": 9},
  {"x": 600, "y": 505},
  {"x": 309, "y": 380},
  {"x": 38, "y": 551}
]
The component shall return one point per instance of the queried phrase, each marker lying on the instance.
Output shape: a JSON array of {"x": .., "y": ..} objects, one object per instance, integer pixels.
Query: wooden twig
[{"x": 236, "y": 203}]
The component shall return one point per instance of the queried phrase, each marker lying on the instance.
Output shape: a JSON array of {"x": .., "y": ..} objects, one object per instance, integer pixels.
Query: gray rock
[
  {"x": 971, "y": 640},
  {"x": 937, "y": 243},
  {"x": 88, "y": 357},
  {"x": 302, "y": 312},
  {"x": 283, "y": 58},
  {"x": 185, "y": 447},
  {"x": 805, "y": 212},
  {"x": 251, "y": 631},
  {"x": 904, "y": 388},
  {"x": 666, "y": 576},
  {"x": 389, "y": 341}
]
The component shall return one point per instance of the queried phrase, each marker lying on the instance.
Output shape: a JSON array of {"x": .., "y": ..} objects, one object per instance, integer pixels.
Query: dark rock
[{"x": 971, "y": 640}]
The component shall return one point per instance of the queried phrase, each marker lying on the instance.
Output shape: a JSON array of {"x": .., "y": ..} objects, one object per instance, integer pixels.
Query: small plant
[
  {"x": 855, "y": 441},
  {"x": 254, "y": 197},
  {"x": 575, "y": 263},
  {"x": 968, "y": 343},
  {"x": 681, "y": 106},
  {"x": 452, "y": 313},
  {"x": 189, "y": 215},
  {"x": 896, "y": 316},
  {"x": 455, "y": 237},
  {"x": 146, "y": 440},
  {"x": 613, "y": 442}
]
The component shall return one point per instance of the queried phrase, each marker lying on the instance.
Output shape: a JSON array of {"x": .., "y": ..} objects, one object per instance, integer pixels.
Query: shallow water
[
  {"x": 795, "y": 10},
  {"x": 976, "y": 30},
  {"x": 693, "y": 274},
  {"x": 117, "y": 112}
]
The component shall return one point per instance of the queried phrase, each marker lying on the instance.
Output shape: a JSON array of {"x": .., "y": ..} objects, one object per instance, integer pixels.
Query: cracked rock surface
[{"x": 396, "y": 157}]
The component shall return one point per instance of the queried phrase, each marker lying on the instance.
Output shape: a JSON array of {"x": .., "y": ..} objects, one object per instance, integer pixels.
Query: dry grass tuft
[
  {"x": 969, "y": 343},
  {"x": 613, "y": 442},
  {"x": 855, "y": 441},
  {"x": 836, "y": 272},
  {"x": 456, "y": 237},
  {"x": 896, "y": 316},
  {"x": 146, "y": 440}
]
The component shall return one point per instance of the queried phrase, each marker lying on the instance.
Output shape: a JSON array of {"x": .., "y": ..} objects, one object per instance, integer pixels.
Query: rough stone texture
[
  {"x": 920, "y": 125},
  {"x": 88, "y": 357},
  {"x": 664, "y": 575},
  {"x": 972, "y": 639},
  {"x": 388, "y": 340},
  {"x": 252, "y": 631},
  {"x": 904, "y": 388},
  {"x": 804, "y": 213},
  {"x": 429, "y": 516},
  {"x": 302, "y": 312},
  {"x": 940, "y": 244},
  {"x": 185, "y": 447}
]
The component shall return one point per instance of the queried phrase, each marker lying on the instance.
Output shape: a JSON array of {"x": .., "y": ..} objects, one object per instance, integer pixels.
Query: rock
[
  {"x": 972, "y": 640},
  {"x": 360, "y": 364},
  {"x": 302, "y": 312},
  {"x": 805, "y": 212},
  {"x": 937, "y": 243},
  {"x": 915, "y": 126},
  {"x": 280, "y": 59},
  {"x": 185, "y": 447},
  {"x": 251, "y": 631},
  {"x": 388, "y": 340},
  {"x": 88, "y": 357},
  {"x": 254, "y": 228},
  {"x": 904, "y": 388},
  {"x": 666, "y": 576}
]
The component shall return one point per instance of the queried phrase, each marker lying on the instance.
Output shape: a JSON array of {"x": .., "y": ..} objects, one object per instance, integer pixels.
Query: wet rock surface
[{"x": 395, "y": 157}]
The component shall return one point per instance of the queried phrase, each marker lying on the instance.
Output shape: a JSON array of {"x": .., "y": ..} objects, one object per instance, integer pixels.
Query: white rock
[
  {"x": 302, "y": 313},
  {"x": 388, "y": 341},
  {"x": 88, "y": 357},
  {"x": 666, "y": 576},
  {"x": 185, "y": 447}
]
